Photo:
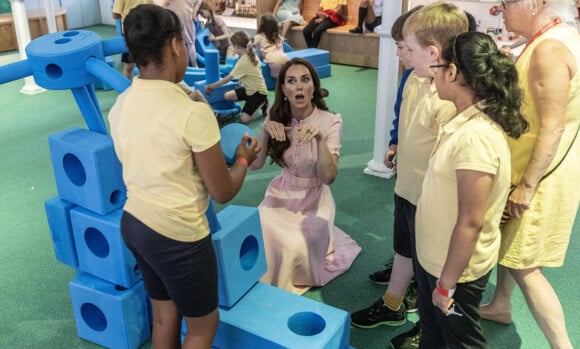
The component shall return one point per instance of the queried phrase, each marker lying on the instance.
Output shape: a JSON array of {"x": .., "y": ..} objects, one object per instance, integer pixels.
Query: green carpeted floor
[{"x": 36, "y": 310}]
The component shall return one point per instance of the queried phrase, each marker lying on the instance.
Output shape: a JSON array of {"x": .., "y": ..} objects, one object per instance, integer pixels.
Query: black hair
[
  {"x": 492, "y": 76},
  {"x": 270, "y": 28},
  {"x": 281, "y": 112},
  {"x": 147, "y": 29},
  {"x": 471, "y": 22}
]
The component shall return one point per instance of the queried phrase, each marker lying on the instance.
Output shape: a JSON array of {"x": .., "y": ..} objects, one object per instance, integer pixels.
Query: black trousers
[
  {"x": 313, "y": 31},
  {"x": 453, "y": 331}
]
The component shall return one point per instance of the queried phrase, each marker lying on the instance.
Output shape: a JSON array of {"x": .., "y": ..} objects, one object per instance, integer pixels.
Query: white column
[
  {"x": 388, "y": 75},
  {"x": 50, "y": 17},
  {"x": 23, "y": 37}
]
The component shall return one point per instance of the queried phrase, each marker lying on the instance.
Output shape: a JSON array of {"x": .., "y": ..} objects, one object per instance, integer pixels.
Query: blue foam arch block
[
  {"x": 269, "y": 317},
  {"x": 59, "y": 223},
  {"x": 86, "y": 170},
  {"x": 108, "y": 315},
  {"x": 230, "y": 137},
  {"x": 100, "y": 247},
  {"x": 239, "y": 251}
]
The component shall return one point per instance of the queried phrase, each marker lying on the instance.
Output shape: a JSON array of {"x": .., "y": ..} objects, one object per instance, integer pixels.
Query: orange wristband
[
  {"x": 243, "y": 161},
  {"x": 443, "y": 291}
]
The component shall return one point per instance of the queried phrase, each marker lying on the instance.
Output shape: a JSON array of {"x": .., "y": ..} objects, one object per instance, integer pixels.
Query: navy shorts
[
  {"x": 184, "y": 272},
  {"x": 253, "y": 102},
  {"x": 404, "y": 227}
]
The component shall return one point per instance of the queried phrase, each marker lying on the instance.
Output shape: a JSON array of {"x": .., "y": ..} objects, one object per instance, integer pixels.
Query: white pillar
[
  {"x": 23, "y": 37},
  {"x": 388, "y": 76},
  {"x": 50, "y": 17}
]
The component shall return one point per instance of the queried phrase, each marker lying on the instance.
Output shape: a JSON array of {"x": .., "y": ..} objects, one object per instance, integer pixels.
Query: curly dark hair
[
  {"x": 280, "y": 110},
  {"x": 147, "y": 29},
  {"x": 492, "y": 76}
]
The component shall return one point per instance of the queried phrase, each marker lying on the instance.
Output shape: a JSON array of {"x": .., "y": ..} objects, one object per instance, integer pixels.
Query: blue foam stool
[
  {"x": 100, "y": 247},
  {"x": 269, "y": 317},
  {"x": 239, "y": 251},
  {"x": 230, "y": 137},
  {"x": 59, "y": 223},
  {"x": 86, "y": 170},
  {"x": 110, "y": 315}
]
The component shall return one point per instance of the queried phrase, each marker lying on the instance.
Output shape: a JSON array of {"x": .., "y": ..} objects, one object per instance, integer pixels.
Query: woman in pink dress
[{"x": 303, "y": 246}]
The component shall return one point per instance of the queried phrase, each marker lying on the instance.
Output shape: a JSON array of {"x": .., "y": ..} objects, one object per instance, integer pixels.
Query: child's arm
[
  {"x": 218, "y": 83},
  {"x": 276, "y": 7}
]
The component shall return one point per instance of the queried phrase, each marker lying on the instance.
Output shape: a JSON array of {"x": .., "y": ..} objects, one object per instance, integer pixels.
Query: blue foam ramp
[
  {"x": 323, "y": 71},
  {"x": 109, "y": 315},
  {"x": 87, "y": 170},
  {"x": 100, "y": 247},
  {"x": 230, "y": 138},
  {"x": 59, "y": 223},
  {"x": 315, "y": 56},
  {"x": 239, "y": 251},
  {"x": 269, "y": 317}
]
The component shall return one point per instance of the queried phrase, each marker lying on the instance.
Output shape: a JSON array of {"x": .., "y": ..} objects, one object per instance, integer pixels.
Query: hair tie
[{"x": 249, "y": 46}]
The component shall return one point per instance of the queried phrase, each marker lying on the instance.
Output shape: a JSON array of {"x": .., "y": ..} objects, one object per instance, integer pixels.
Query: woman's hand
[
  {"x": 306, "y": 133},
  {"x": 519, "y": 200},
  {"x": 276, "y": 130}
]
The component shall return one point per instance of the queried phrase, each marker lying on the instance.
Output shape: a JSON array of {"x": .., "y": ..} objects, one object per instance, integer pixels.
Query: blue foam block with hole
[
  {"x": 239, "y": 251},
  {"x": 100, "y": 247},
  {"x": 59, "y": 223},
  {"x": 86, "y": 170},
  {"x": 315, "y": 56},
  {"x": 269, "y": 317},
  {"x": 110, "y": 315}
]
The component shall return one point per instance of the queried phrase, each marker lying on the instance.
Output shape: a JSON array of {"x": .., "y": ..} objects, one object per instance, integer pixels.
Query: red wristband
[
  {"x": 443, "y": 291},
  {"x": 243, "y": 161}
]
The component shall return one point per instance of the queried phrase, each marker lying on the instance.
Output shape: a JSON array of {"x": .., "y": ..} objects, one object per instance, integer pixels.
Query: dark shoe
[
  {"x": 407, "y": 340},
  {"x": 378, "y": 314},
  {"x": 410, "y": 299},
  {"x": 382, "y": 277},
  {"x": 324, "y": 92},
  {"x": 356, "y": 30}
]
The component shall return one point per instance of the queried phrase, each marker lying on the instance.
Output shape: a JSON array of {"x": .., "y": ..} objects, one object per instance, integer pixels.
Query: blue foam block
[
  {"x": 58, "y": 59},
  {"x": 269, "y": 317},
  {"x": 100, "y": 247},
  {"x": 193, "y": 75},
  {"x": 230, "y": 138},
  {"x": 323, "y": 71},
  {"x": 103, "y": 85},
  {"x": 202, "y": 42},
  {"x": 59, "y": 223},
  {"x": 109, "y": 315},
  {"x": 315, "y": 56},
  {"x": 86, "y": 170},
  {"x": 270, "y": 81},
  {"x": 239, "y": 251},
  {"x": 217, "y": 94}
]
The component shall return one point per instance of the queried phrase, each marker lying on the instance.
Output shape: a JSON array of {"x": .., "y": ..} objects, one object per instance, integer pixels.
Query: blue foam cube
[
  {"x": 100, "y": 247},
  {"x": 110, "y": 315},
  {"x": 87, "y": 170},
  {"x": 239, "y": 251},
  {"x": 59, "y": 223},
  {"x": 315, "y": 56},
  {"x": 269, "y": 317}
]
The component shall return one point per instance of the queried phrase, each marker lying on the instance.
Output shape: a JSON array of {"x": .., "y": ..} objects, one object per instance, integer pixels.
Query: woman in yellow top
[{"x": 543, "y": 210}]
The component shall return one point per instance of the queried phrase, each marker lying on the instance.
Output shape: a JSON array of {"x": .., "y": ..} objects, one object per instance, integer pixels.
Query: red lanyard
[{"x": 542, "y": 30}]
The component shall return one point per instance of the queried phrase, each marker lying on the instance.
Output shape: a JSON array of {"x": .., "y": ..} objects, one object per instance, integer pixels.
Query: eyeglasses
[
  {"x": 507, "y": 3},
  {"x": 445, "y": 65}
]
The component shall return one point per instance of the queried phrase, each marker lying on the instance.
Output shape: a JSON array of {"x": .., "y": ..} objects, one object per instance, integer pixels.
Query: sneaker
[
  {"x": 356, "y": 30},
  {"x": 382, "y": 277},
  {"x": 408, "y": 340},
  {"x": 410, "y": 299},
  {"x": 378, "y": 314}
]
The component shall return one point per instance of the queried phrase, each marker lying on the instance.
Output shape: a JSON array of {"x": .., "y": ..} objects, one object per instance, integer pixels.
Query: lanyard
[{"x": 542, "y": 30}]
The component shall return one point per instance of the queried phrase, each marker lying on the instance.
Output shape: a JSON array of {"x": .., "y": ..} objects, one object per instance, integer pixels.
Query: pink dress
[{"x": 303, "y": 246}]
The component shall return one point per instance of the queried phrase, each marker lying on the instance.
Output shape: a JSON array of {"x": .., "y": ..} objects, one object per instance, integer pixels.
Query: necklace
[{"x": 554, "y": 22}]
